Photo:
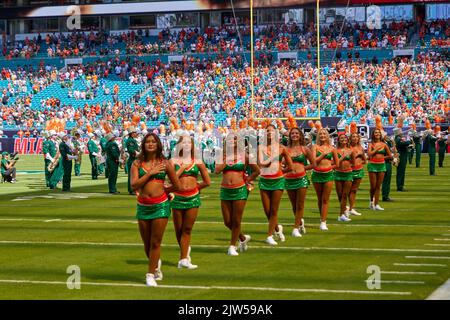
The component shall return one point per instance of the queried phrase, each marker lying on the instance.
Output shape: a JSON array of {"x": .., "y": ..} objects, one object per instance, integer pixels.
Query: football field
[{"x": 43, "y": 232}]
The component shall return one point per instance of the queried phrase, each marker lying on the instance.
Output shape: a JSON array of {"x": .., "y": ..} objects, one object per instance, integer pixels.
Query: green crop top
[{"x": 192, "y": 171}]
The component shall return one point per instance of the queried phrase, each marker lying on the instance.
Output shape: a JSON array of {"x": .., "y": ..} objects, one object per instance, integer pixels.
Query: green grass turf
[{"x": 108, "y": 248}]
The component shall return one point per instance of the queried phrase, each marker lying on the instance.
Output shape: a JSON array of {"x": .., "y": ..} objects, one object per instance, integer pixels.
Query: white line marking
[
  {"x": 395, "y": 281},
  {"x": 217, "y": 246},
  {"x": 221, "y": 222},
  {"x": 437, "y": 244},
  {"x": 446, "y": 235},
  {"x": 439, "y": 239},
  {"x": 212, "y": 287},
  {"x": 442, "y": 293},
  {"x": 426, "y": 257},
  {"x": 408, "y": 272},
  {"x": 420, "y": 264}
]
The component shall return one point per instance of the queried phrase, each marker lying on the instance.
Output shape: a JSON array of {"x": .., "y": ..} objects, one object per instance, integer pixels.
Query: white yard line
[
  {"x": 438, "y": 244},
  {"x": 427, "y": 257},
  {"x": 395, "y": 282},
  {"x": 420, "y": 265},
  {"x": 220, "y": 246},
  {"x": 440, "y": 239},
  {"x": 408, "y": 272},
  {"x": 442, "y": 293},
  {"x": 221, "y": 222},
  {"x": 373, "y": 292}
]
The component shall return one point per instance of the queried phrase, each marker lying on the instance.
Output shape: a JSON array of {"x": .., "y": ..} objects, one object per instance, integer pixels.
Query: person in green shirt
[
  {"x": 431, "y": 140},
  {"x": 401, "y": 144},
  {"x": 7, "y": 168},
  {"x": 417, "y": 139},
  {"x": 112, "y": 162},
  {"x": 132, "y": 147},
  {"x": 442, "y": 143},
  {"x": 78, "y": 146},
  {"x": 49, "y": 150},
  {"x": 93, "y": 155},
  {"x": 67, "y": 155},
  {"x": 104, "y": 168},
  {"x": 386, "y": 186}
]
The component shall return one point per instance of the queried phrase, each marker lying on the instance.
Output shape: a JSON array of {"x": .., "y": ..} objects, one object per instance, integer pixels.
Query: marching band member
[
  {"x": 431, "y": 139},
  {"x": 112, "y": 162},
  {"x": 68, "y": 154},
  {"x": 378, "y": 152},
  {"x": 322, "y": 176},
  {"x": 8, "y": 170},
  {"x": 417, "y": 140},
  {"x": 297, "y": 181},
  {"x": 386, "y": 185},
  {"x": 132, "y": 148},
  {"x": 148, "y": 173},
  {"x": 442, "y": 143},
  {"x": 79, "y": 148},
  {"x": 185, "y": 204},
  {"x": 49, "y": 150},
  {"x": 401, "y": 144},
  {"x": 272, "y": 181},
  {"x": 94, "y": 154}
]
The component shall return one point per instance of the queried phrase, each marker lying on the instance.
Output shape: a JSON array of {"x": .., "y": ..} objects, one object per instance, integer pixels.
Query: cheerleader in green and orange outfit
[
  {"x": 378, "y": 152},
  {"x": 358, "y": 171},
  {"x": 234, "y": 191},
  {"x": 185, "y": 204},
  {"x": 297, "y": 181},
  {"x": 322, "y": 176},
  {"x": 343, "y": 174},
  {"x": 272, "y": 181}
]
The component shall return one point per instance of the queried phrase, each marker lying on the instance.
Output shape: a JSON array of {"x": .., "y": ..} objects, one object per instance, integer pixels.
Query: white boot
[
  {"x": 243, "y": 244},
  {"x": 150, "y": 280},
  {"x": 280, "y": 234},
  {"x": 296, "y": 233},
  {"x": 377, "y": 207},
  {"x": 353, "y": 212},
  {"x": 232, "y": 251},
  {"x": 271, "y": 241},
  {"x": 185, "y": 263},
  {"x": 323, "y": 226},
  {"x": 158, "y": 271},
  {"x": 344, "y": 218},
  {"x": 302, "y": 227}
]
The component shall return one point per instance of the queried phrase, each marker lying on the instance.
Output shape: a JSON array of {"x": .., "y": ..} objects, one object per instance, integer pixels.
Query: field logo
[
  {"x": 373, "y": 17},
  {"x": 74, "y": 19},
  {"x": 374, "y": 280},
  {"x": 73, "y": 281}
]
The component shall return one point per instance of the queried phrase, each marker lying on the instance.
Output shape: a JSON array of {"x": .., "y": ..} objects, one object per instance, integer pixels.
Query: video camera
[{"x": 14, "y": 156}]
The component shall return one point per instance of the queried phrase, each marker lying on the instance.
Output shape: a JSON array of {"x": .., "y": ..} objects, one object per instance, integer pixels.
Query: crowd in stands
[
  {"x": 227, "y": 38},
  {"x": 438, "y": 33},
  {"x": 200, "y": 89}
]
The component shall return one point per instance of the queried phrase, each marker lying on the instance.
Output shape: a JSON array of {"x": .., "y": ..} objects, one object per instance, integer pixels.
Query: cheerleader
[
  {"x": 297, "y": 181},
  {"x": 322, "y": 175},
  {"x": 378, "y": 152},
  {"x": 148, "y": 173},
  {"x": 234, "y": 192},
  {"x": 272, "y": 182},
  {"x": 358, "y": 171},
  {"x": 343, "y": 174},
  {"x": 185, "y": 203}
]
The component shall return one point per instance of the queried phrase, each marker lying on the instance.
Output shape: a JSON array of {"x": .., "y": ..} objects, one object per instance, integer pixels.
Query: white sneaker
[
  {"x": 344, "y": 218},
  {"x": 243, "y": 244},
  {"x": 323, "y": 226},
  {"x": 280, "y": 234},
  {"x": 185, "y": 263},
  {"x": 377, "y": 207},
  {"x": 150, "y": 280},
  {"x": 271, "y": 241},
  {"x": 302, "y": 227},
  {"x": 347, "y": 213},
  {"x": 353, "y": 212},
  {"x": 158, "y": 271},
  {"x": 232, "y": 251},
  {"x": 296, "y": 233}
]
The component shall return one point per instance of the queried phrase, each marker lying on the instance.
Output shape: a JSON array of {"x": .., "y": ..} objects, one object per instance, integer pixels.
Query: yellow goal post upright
[{"x": 252, "y": 54}]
